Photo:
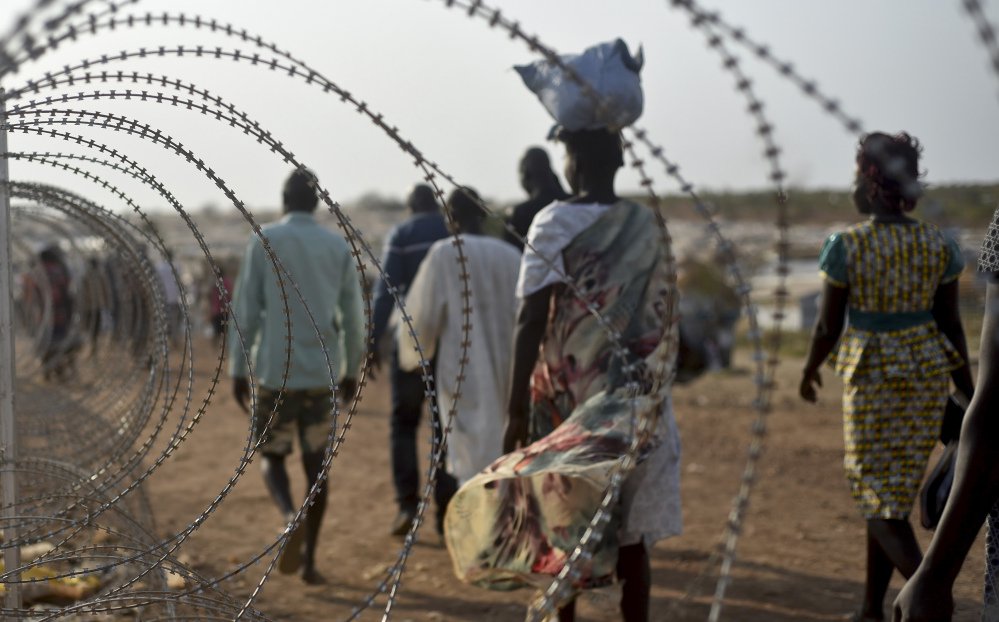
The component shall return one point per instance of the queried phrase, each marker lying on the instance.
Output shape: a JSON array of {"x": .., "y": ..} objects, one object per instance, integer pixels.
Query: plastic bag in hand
[{"x": 612, "y": 72}]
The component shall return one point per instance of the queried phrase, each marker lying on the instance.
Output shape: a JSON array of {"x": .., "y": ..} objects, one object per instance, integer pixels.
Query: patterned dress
[
  {"x": 515, "y": 523},
  {"x": 988, "y": 262},
  {"x": 894, "y": 361}
]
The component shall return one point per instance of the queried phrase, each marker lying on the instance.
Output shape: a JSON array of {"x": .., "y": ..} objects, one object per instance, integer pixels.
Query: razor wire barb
[{"x": 985, "y": 30}]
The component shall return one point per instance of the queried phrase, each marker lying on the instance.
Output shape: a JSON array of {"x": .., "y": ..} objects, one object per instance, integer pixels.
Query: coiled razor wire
[
  {"x": 148, "y": 280},
  {"x": 20, "y": 47},
  {"x": 236, "y": 56},
  {"x": 120, "y": 123},
  {"x": 202, "y": 517}
]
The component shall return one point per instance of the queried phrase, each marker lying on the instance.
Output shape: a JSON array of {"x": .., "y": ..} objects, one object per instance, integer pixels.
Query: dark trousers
[{"x": 408, "y": 395}]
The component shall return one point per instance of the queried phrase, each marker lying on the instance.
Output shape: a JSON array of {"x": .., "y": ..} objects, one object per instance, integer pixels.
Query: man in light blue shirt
[{"x": 285, "y": 350}]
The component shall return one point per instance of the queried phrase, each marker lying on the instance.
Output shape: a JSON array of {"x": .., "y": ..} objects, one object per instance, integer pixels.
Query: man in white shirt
[{"x": 437, "y": 305}]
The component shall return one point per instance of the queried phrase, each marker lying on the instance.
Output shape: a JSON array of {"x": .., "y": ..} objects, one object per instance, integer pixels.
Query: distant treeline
[{"x": 958, "y": 205}]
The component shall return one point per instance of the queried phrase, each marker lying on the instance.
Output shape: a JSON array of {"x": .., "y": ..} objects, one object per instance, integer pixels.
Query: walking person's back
[
  {"x": 291, "y": 330},
  {"x": 319, "y": 266},
  {"x": 896, "y": 279},
  {"x": 441, "y": 312}
]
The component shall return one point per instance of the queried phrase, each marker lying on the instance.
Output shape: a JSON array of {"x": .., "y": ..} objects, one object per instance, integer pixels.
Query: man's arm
[
  {"x": 351, "y": 308},
  {"x": 532, "y": 321},
  {"x": 392, "y": 273},
  {"x": 927, "y": 597},
  {"x": 247, "y": 309}
]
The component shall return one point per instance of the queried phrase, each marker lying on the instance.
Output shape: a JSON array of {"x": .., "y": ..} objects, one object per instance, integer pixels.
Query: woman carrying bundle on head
[
  {"x": 896, "y": 278},
  {"x": 594, "y": 348}
]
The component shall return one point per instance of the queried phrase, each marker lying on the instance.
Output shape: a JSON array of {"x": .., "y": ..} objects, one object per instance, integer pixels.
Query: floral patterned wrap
[{"x": 515, "y": 523}]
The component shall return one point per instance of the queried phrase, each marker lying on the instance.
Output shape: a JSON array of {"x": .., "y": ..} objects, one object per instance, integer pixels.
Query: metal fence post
[{"x": 8, "y": 439}]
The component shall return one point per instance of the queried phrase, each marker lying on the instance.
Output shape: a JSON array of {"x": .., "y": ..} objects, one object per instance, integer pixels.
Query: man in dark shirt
[
  {"x": 406, "y": 246},
  {"x": 540, "y": 182}
]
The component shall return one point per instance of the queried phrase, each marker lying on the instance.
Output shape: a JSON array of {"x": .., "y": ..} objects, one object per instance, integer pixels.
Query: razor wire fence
[{"x": 89, "y": 437}]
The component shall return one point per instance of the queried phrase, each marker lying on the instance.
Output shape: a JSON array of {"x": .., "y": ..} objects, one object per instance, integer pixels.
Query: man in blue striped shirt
[
  {"x": 406, "y": 246},
  {"x": 294, "y": 355}
]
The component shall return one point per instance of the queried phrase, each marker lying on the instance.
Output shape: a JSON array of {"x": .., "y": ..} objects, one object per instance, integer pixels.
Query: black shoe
[{"x": 403, "y": 522}]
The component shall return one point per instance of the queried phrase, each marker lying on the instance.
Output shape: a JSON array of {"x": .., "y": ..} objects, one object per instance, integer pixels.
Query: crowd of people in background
[
  {"x": 545, "y": 382},
  {"x": 480, "y": 313},
  {"x": 545, "y": 329},
  {"x": 889, "y": 325},
  {"x": 546, "y": 357},
  {"x": 74, "y": 304},
  {"x": 45, "y": 308}
]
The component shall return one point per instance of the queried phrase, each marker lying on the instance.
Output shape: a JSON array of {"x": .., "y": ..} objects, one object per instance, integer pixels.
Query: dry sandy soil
[{"x": 801, "y": 556}]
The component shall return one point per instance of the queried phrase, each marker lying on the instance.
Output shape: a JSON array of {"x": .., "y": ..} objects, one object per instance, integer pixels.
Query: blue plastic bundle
[{"x": 612, "y": 72}]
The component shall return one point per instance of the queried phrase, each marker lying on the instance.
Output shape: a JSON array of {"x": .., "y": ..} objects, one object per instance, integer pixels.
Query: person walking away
[
  {"x": 521, "y": 518},
  {"x": 541, "y": 184},
  {"x": 406, "y": 246},
  {"x": 49, "y": 289},
  {"x": 93, "y": 302},
  {"x": 437, "y": 303},
  {"x": 171, "y": 296},
  {"x": 928, "y": 596},
  {"x": 218, "y": 303},
  {"x": 896, "y": 278},
  {"x": 295, "y": 394}
]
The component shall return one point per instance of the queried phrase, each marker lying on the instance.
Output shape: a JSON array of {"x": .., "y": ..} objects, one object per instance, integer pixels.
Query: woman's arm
[
  {"x": 532, "y": 320},
  {"x": 947, "y": 314},
  {"x": 928, "y": 594},
  {"x": 828, "y": 327}
]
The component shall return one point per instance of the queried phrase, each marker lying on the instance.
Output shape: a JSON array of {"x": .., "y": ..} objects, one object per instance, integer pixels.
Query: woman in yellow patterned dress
[{"x": 896, "y": 279}]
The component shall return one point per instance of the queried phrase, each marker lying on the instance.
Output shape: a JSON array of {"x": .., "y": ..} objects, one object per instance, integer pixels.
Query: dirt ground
[{"x": 801, "y": 556}]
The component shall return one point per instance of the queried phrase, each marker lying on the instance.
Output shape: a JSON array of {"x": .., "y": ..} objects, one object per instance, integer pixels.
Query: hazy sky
[{"x": 446, "y": 82}]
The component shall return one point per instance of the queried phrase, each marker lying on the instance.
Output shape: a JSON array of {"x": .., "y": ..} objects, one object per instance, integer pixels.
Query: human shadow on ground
[{"x": 759, "y": 592}]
